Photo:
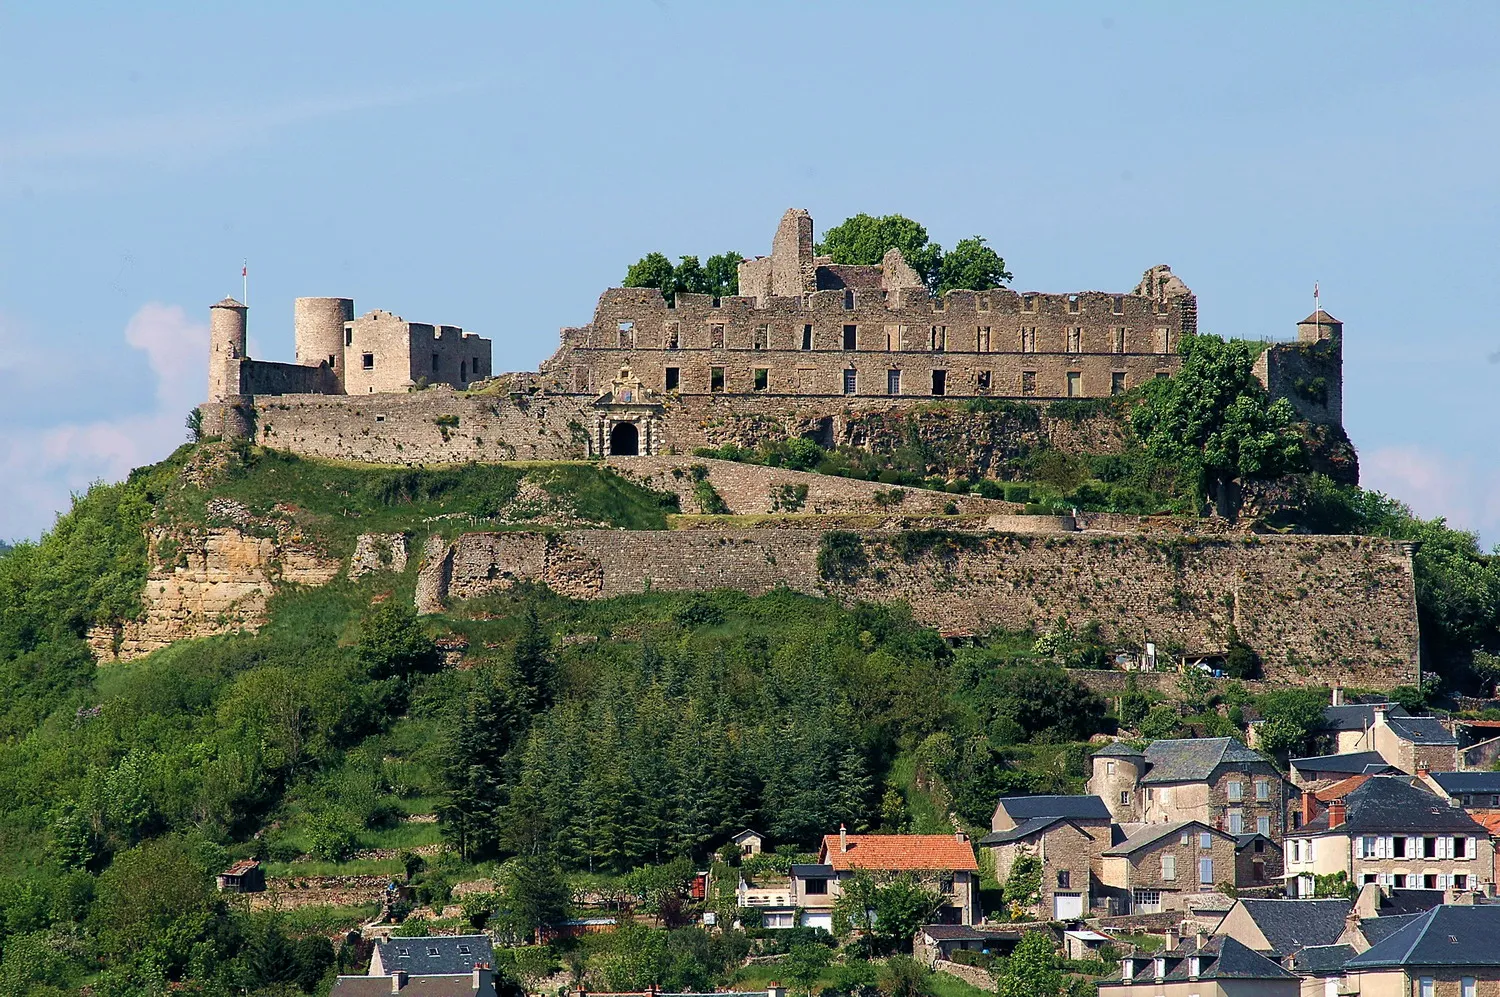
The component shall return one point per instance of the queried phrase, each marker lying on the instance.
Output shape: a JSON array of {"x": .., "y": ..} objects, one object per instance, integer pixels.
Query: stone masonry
[{"x": 1318, "y": 609}]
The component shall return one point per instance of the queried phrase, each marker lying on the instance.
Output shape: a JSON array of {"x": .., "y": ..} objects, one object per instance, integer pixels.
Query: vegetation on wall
[
  {"x": 864, "y": 240},
  {"x": 718, "y": 275}
]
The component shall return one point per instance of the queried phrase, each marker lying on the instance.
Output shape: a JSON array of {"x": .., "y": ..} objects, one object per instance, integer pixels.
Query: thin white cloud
[
  {"x": 41, "y": 468},
  {"x": 1434, "y": 484}
]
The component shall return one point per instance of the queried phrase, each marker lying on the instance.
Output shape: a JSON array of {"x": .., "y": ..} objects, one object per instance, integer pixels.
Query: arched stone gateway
[{"x": 624, "y": 440}]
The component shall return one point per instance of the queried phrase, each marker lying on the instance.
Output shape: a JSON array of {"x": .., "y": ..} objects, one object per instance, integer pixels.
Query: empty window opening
[
  {"x": 893, "y": 335},
  {"x": 716, "y": 379},
  {"x": 1120, "y": 339},
  {"x": 674, "y": 378},
  {"x": 1028, "y": 339},
  {"x": 434, "y": 361},
  {"x": 851, "y": 336},
  {"x": 1073, "y": 304},
  {"x": 333, "y": 361},
  {"x": 463, "y": 370},
  {"x": 348, "y": 336},
  {"x": 1075, "y": 384},
  {"x": 982, "y": 382},
  {"x": 1460, "y": 848},
  {"x": 1119, "y": 304},
  {"x": 716, "y": 336},
  {"x": 1117, "y": 382},
  {"x": 893, "y": 382},
  {"x": 1028, "y": 382},
  {"x": 673, "y": 337},
  {"x": 1163, "y": 339},
  {"x": 624, "y": 440},
  {"x": 627, "y": 334},
  {"x": 1028, "y": 302},
  {"x": 1064, "y": 878},
  {"x": 762, "y": 378},
  {"x": 938, "y": 338},
  {"x": 982, "y": 340},
  {"x": 940, "y": 382},
  {"x": 367, "y": 361},
  {"x": 848, "y": 299},
  {"x": 762, "y": 335},
  {"x": 851, "y": 382},
  {"x": 1075, "y": 340},
  {"x": 380, "y": 418},
  {"x": 475, "y": 366},
  {"x": 807, "y": 337}
]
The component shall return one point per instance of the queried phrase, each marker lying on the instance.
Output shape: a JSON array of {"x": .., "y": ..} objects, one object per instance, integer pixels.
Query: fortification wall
[
  {"x": 268, "y": 377},
  {"x": 1317, "y": 609},
  {"x": 1309, "y": 375},
  {"x": 436, "y": 426}
]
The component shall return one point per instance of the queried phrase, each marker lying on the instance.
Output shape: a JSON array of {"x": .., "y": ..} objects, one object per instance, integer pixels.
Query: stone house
[
  {"x": 1346, "y": 726},
  {"x": 1216, "y": 780},
  {"x": 1066, "y": 833},
  {"x": 439, "y": 955},
  {"x": 1476, "y": 792},
  {"x": 1392, "y": 833},
  {"x": 1412, "y": 744},
  {"x": 1258, "y": 862},
  {"x": 1212, "y": 967},
  {"x": 749, "y": 842},
  {"x": 943, "y": 862},
  {"x": 1318, "y": 771},
  {"x": 1449, "y": 951},
  {"x": 1157, "y": 865}
]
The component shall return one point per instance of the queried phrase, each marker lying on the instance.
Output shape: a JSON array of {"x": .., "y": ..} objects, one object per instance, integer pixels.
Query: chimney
[
  {"x": 477, "y": 978},
  {"x": 398, "y": 980},
  {"x": 843, "y": 839},
  {"x": 775, "y": 989},
  {"x": 1172, "y": 937},
  {"x": 1380, "y": 709},
  {"x": 1198, "y": 938},
  {"x": 1309, "y": 807},
  {"x": 1338, "y": 695},
  {"x": 1336, "y": 814},
  {"x": 960, "y": 836},
  {"x": 1422, "y": 771}
]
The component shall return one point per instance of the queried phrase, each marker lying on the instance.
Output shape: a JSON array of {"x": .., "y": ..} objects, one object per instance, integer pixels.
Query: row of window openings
[
  {"x": 1429, "y": 881},
  {"x": 367, "y": 362},
  {"x": 983, "y": 381},
  {"x": 982, "y": 303},
  {"x": 1468, "y": 986},
  {"x": 1169, "y": 869},
  {"x": 937, "y": 338}
]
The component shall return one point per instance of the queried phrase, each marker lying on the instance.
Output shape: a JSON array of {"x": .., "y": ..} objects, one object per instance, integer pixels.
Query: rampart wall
[
  {"x": 1318, "y": 609},
  {"x": 1309, "y": 375},
  {"x": 268, "y": 377}
]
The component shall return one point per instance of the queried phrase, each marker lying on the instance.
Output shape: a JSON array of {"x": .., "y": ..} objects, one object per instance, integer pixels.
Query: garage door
[
  {"x": 821, "y": 920},
  {"x": 1066, "y": 906}
]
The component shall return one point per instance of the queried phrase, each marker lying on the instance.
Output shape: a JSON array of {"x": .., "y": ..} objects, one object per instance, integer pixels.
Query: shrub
[
  {"x": 1018, "y": 493},
  {"x": 989, "y": 489},
  {"x": 841, "y": 556}
]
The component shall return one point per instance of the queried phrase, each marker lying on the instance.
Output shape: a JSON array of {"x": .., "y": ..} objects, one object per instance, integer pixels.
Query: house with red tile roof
[{"x": 944, "y": 863}]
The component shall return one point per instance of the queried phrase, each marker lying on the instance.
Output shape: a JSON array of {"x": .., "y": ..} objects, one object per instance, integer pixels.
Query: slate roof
[
  {"x": 1358, "y": 716},
  {"x": 1320, "y": 317},
  {"x": 1421, "y": 730},
  {"x": 454, "y": 985},
  {"x": 436, "y": 955},
  {"x": 1119, "y": 749},
  {"x": 1378, "y": 929},
  {"x": 1455, "y": 783},
  {"x": 899, "y": 852},
  {"x": 1243, "y": 841},
  {"x": 1351, "y": 763},
  {"x": 806, "y": 871},
  {"x": 1193, "y": 759},
  {"x": 1401, "y": 902},
  {"x": 1023, "y": 830},
  {"x": 1447, "y": 935},
  {"x": 1221, "y": 958},
  {"x": 1290, "y": 925},
  {"x": 968, "y": 933},
  {"x": 1084, "y": 807},
  {"x": 1321, "y": 960},
  {"x": 1152, "y": 833},
  {"x": 1385, "y": 803}
]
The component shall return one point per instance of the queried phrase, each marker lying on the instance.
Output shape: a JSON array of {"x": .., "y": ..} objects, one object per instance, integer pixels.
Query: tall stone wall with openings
[{"x": 1317, "y": 609}]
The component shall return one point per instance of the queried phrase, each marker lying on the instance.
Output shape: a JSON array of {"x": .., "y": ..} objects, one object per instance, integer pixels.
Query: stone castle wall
[
  {"x": 1318, "y": 609},
  {"x": 1309, "y": 375}
]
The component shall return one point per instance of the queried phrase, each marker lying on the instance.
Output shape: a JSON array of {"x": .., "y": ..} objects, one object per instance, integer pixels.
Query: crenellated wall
[{"x": 1317, "y": 609}]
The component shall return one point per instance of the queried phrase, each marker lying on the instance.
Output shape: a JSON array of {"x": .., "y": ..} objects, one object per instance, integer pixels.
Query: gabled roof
[
  {"x": 1351, "y": 763},
  {"x": 1388, "y": 803},
  {"x": 1341, "y": 789},
  {"x": 1193, "y": 759},
  {"x": 1358, "y": 716},
  {"x": 1023, "y": 830},
  {"x": 1447, "y": 935},
  {"x": 1290, "y": 925},
  {"x": 1421, "y": 730},
  {"x": 1082, "y": 807},
  {"x": 445, "y": 985},
  {"x": 1152, "y": 833},
  {"x": 1119, "y": 749},
  {"x": 436, "y": 955},
  {"x": 900, "y": 852},
  {"x": 1399, "y": 902},
  {"x": 748, "y": 832},
  {"x": 1455, "y": 783},
  {"x": 1378, "y": 929},
  {"x": 1243, "y": 841},
  {"x": 1220, "y": 958},
  {"x": 1321, "y": 960},
  {"x": 1320, "y": 317}
]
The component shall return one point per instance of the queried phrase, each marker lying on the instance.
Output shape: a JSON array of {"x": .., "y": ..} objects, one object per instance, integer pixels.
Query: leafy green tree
[
  {"x": 972, "y": 266},
  {"x": 1043, "y": 698},
  {"x": 1291, "y": 718},
  {"x": 535, "y": 893},
  {"x": 804, "y": 964},
  {"x": 1023, "y": 886},
  {"x": 889, "y": 913},
  {"x": 652, "y": 270},
  {"x": 718, "y": 276},
  {"x": 1133, "y": 704},
  {"x": 153, "y": 904},
  {"x": 393, "y": 643},
  {"x": 333, "y": 834},
  {"x": 863, "y": 240},
  {"x": 1163, "y": 721},
  {"x": 269, "y": 957},
  {"x": 903, "y": 976},
  {"x": 1031, "y": 970},
  {"x": 1215, "y": 420}
]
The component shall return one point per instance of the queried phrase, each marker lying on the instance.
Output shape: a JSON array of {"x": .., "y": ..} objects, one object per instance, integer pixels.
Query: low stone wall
[
  {"x": 1112, "y": 684},
  {"x": 319, "y": 891},
  {"x": 1317, "y": 609},
  {"x": 972, "y": 975}
]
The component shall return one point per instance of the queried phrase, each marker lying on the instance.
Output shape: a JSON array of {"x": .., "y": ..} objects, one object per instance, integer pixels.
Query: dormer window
[
  {"x": 1161, "y": 967},
  {"x": 432, "y": 951},
  {"x": 463, "y": 950},
  {"x": 1194, "y": 964},
  {"x": 1127, "y": 969}
]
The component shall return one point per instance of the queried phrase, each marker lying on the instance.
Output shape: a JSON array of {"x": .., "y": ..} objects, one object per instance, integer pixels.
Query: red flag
[{"x": 245, "y": 270}]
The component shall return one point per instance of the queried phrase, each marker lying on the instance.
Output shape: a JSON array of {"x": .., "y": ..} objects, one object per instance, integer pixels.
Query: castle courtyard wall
[{"x": 1317, "y": 609}]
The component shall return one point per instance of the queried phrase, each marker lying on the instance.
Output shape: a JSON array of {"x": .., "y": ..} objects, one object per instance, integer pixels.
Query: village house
[
  {"x": 1476, "y": 792},
  {"x": 1318, "y": 771},
  {"x": 1207, "y": 967},
  {"x": 1065, "y": 833},
  {"x": 439, "y": 955},
  {"x": 749, "y": 842},
  {"x": 1257, "y": 862},
  {"x": 1392, "y": 833},
  {"x": 1157, "y": 865},
  {"x": 1216, "y": 780},
  {"x": 943, "y": 862},
  {"x": 1450, "y": 951},
  {"x": 1279, "y": 929},
  {"x": 1346, "y": 726}
]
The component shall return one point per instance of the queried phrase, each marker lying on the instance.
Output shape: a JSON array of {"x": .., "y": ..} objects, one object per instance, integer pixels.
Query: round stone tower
[
  {"x": 1117, "y": 781},
  {"x": 226, "y": 348},
  {"x": 319, "y": 329}
]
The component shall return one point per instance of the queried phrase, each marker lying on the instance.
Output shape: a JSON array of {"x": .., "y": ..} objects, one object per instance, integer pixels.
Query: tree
[
  {"x": 1023, "y": 887},
  {"x": 478, "y": 741},
  {"x": 153, "y": 904},
  {"x": 651, "y": 270},
  {"x": 863, "y": 241},
  {"x": 535, "y": 894},
  {"x": 1133, "y": 704},
  {"x": 1240, "y": 661},
  {"x": 393, "y": 643},
  {"x": 718, "y": 276},
  {"x": 973, "y": 266},
  {"x": 890, "y": 913},
  {"x": 269, "y": 957},
  {"x": 1215, "y": 420},
  {"x": 1292, "y": 717},
  {"x": 804, "y": 964},
  {"x": 1038, "y": 698},
  {"x": 532, "y": 666},
  {"x": 1031, "y": 970},
  {"x": 1162, "y": 721},
  {"x": 903, "y": 976}
]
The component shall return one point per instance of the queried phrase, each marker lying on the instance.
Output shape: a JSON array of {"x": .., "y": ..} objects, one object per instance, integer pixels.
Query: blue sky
[{"x": 496, "y": 166}]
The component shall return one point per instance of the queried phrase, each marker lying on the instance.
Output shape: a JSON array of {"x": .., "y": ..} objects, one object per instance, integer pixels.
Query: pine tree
[{"x": 534, "y": 670}]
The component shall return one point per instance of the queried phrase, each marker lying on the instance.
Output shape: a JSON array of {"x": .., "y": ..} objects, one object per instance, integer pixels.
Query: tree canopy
[
  {"x": 718, "y": 275},
  {"x": 864, "y": 240}
]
